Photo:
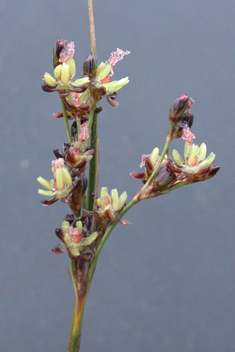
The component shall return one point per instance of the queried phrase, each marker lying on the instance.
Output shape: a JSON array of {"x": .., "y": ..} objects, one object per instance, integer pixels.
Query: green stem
[
  {"x": 93, "y": 162},
  {"x": 78, "y": 124},
  {"x": 104, "y": 239},
  {"x": 76, "y": 325},
  {"x": 91, "y": 116},
  {"x": 73, "y": 275},
  {"x": 66, "y": 122},
  {"x": 165, "y": 149}
]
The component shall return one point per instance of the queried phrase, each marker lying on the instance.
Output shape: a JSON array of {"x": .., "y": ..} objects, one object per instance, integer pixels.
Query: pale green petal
[
  {"x": 187, "y": 149},
  {"x": 114, "y": 195},
  {"x": 193, "y": 154},
  {"x": 208, "y": 161},
  {"x": 45, "y": 183},
  {"x": 65, "y": 73},
  {"x": 57, "y": 71},
  {"x": 88, "y": 240},
  {"x": 79, "y": 225},
  {"x": 45, "y": 193},
  {"x": 81, "y": 82},
  {"x": 83, "y": 96},
  {"x": 178, "y": 158},
  {"x": 66, "y": 176},
  {"x": 59, "y": 179},
  {"x": 103, "y": 192},
  {"x": 74, "y": 251},
  {"x": 103, "y": 71},
  {"x": 65, "y": 226},
  {"x": 154, "y": 155},
  {"x": 49, "y": 79},
  {"x": 72, "y": 67},
  {"x": 122, "y": 200},
  {"x": 114, "y": 86},
  {"x": 202, "y": 151}
]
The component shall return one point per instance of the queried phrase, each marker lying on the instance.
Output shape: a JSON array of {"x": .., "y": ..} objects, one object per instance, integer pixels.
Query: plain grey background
[{"x": 167, "y": 282}]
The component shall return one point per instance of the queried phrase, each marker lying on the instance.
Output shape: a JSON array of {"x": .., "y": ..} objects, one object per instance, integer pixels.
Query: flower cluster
[
  {"x": 195, "y": 160},
  {"x": 64, "y": 71},
  {"x": 95, "y": 82},
  {"x": 75, "y": 239},
  {"x": 165, "y": 174},
  {"x": 80, "y": 97}
]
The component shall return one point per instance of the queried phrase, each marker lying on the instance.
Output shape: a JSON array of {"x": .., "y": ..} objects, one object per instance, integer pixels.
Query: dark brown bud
[
  {"x": 187, "y": 119},
  {"x": 90, "y": 66},
  {"x": 58, "y": 48},
  {"x": 179, "y": 107}
]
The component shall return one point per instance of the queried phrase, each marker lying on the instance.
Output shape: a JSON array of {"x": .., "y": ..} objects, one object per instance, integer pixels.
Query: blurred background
[{"x": 167, "y": 282}]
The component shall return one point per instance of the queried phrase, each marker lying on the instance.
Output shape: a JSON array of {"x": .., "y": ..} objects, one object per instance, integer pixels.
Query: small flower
[
  {"x": 64, "y": 71},
  {"x": 63, "y": 185},
  {"x": 100, "y": 78},
  {"x": 74, "y": 238},
  {"x": 150, "y": 162},
  {"x": 62, "y": 179},
  {"x": 194, "y": 158},
  {"x": 77, "y": 153},
  {"x": 109, "y": 207}
]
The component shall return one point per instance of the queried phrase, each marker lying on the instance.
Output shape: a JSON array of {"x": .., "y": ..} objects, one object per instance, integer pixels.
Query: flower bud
[
  {"x": 58, "y": 47},
  {"x": 187, "y": 119},
  {"x": 90, "y": 66},
  {"x": 62, "y": 51},
  {"x": 179, "y": 107}
]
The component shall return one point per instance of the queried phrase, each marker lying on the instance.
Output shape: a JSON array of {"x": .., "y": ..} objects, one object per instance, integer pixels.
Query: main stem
[
  {"x": 76, "y": 326},
  {"x": 92, "y": 28},
  {"x": 80, "y": 297}
]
